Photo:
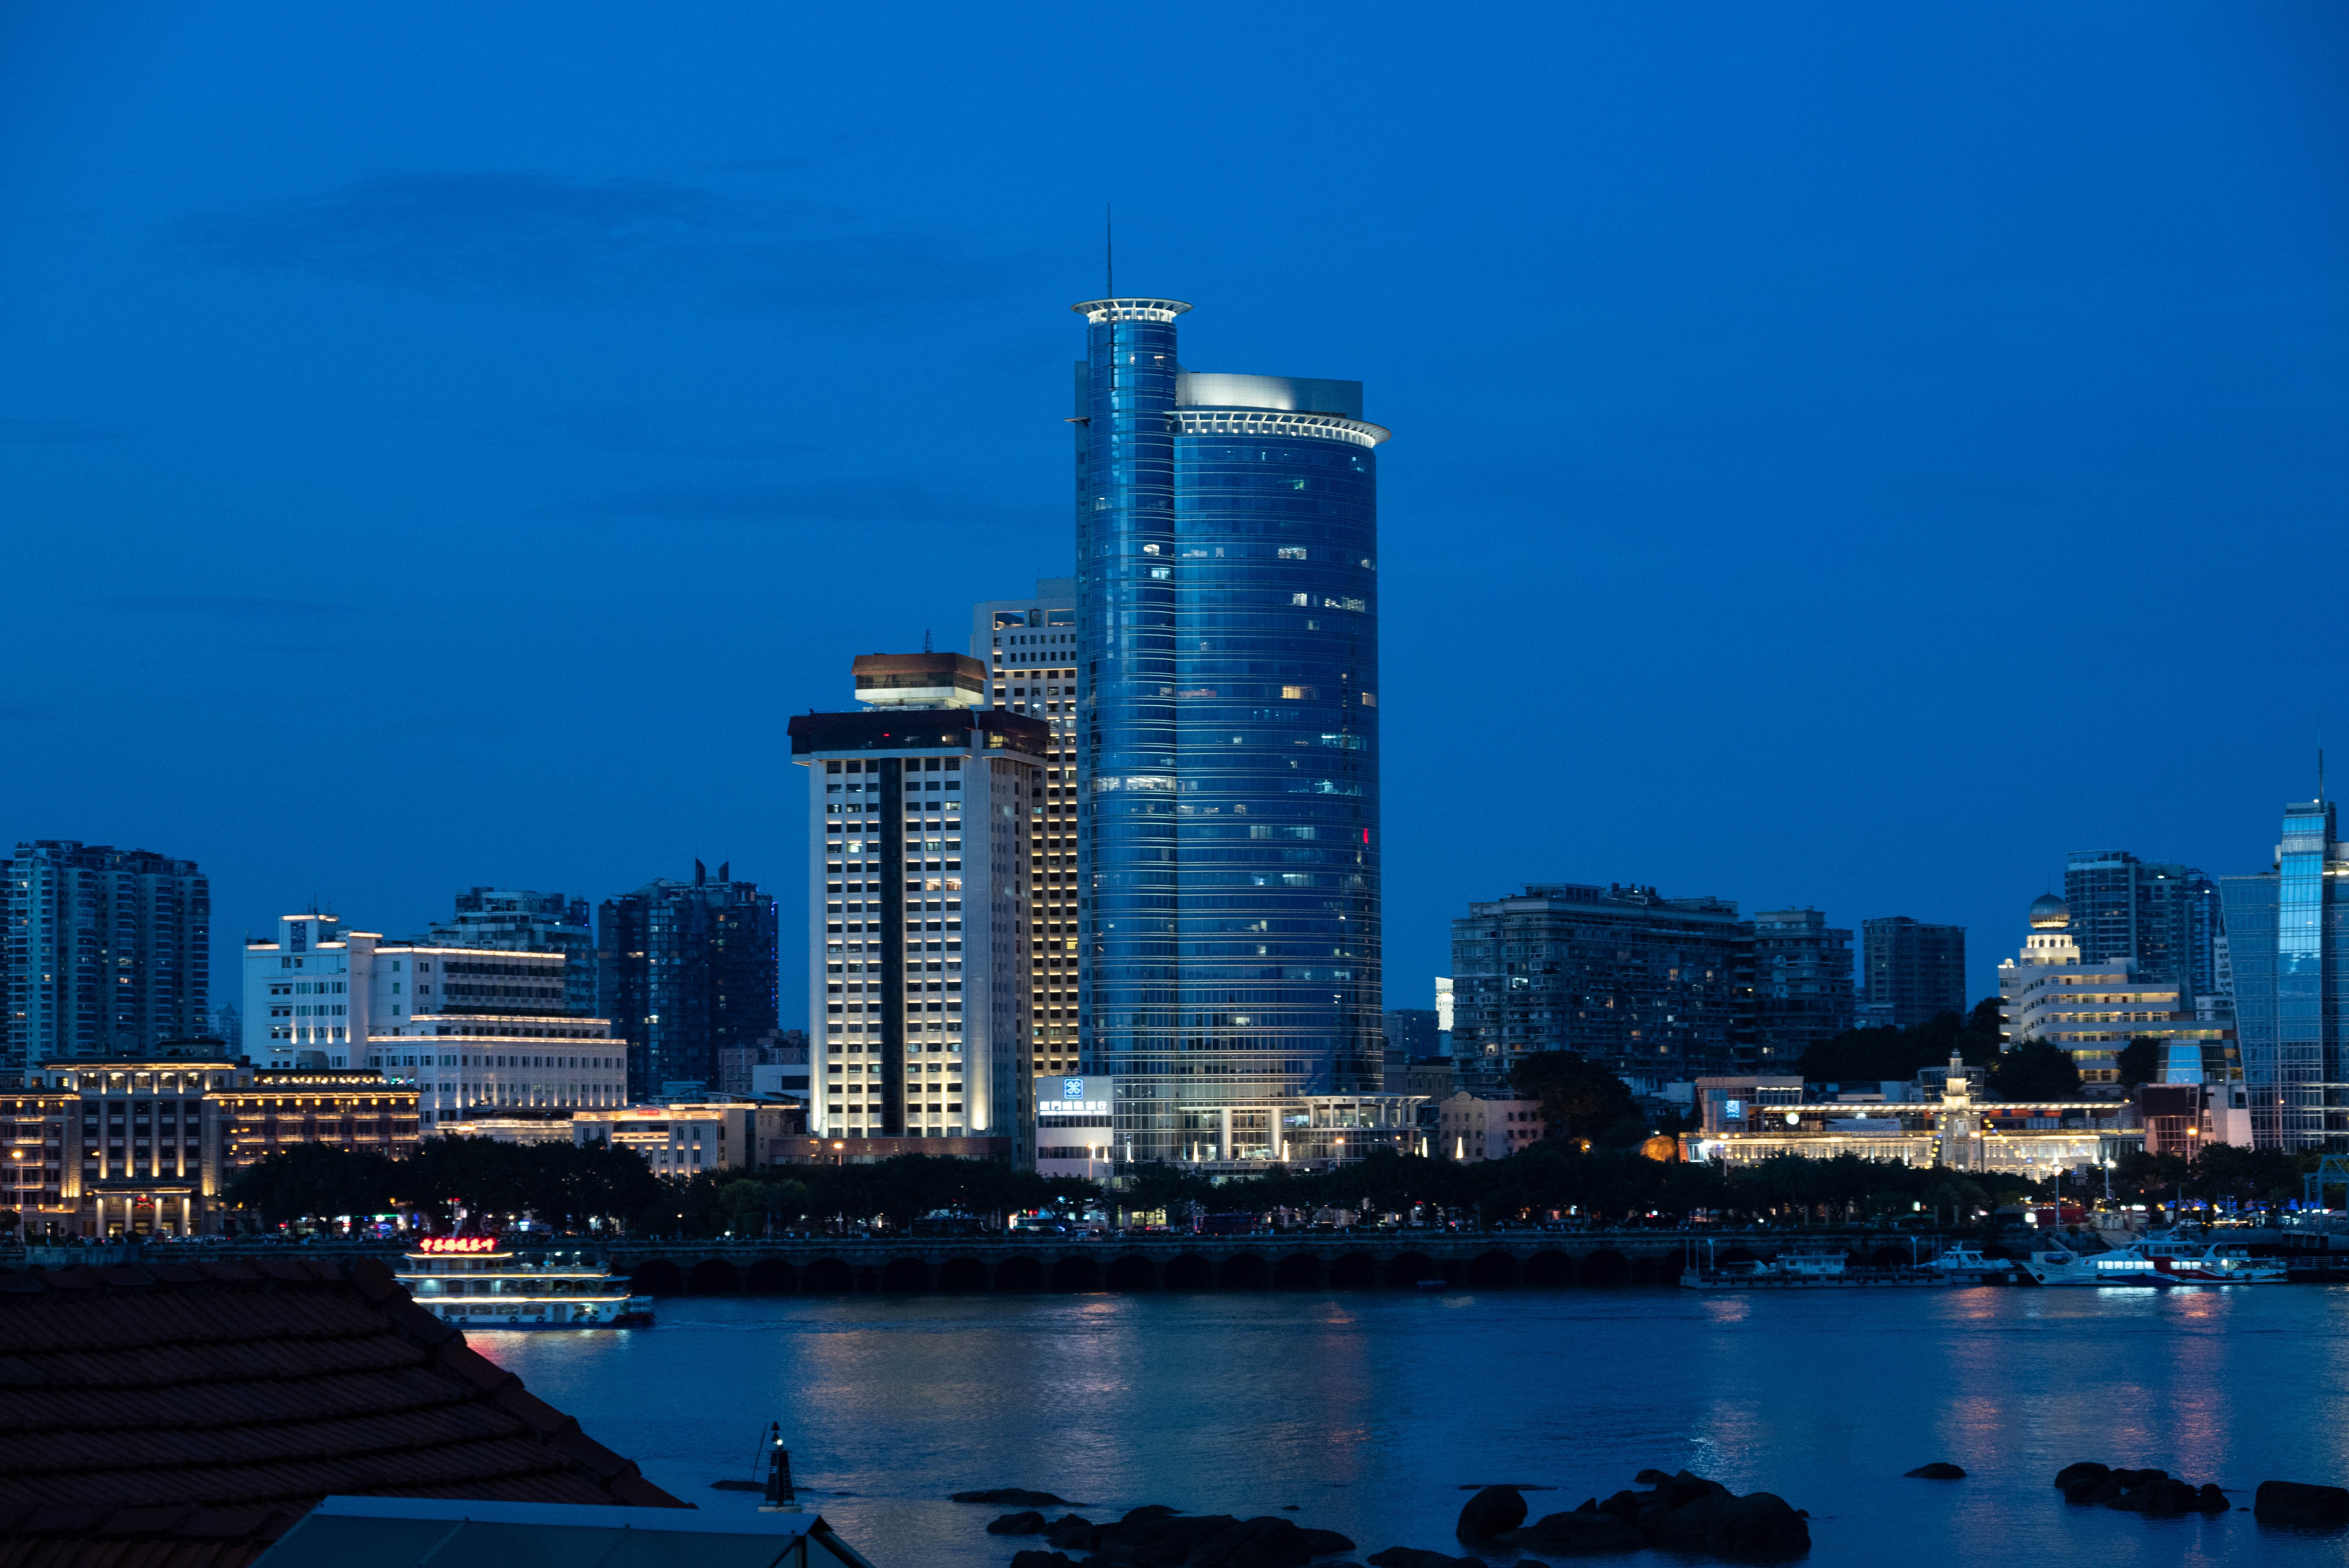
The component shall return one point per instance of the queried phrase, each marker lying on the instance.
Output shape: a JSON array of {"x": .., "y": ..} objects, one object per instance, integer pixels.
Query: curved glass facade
[{"x": 1227, "y": 744}]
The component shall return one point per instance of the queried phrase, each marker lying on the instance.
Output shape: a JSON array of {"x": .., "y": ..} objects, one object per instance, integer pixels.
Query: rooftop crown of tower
[{"x": 919, "y": 680}]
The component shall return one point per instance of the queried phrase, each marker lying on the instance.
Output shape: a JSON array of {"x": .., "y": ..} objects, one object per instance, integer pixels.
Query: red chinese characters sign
[{"x": 460, "y": 1244}]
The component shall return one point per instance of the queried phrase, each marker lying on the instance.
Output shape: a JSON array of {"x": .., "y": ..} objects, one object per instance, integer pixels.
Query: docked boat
[
  {"x": 480, "y": 1282},
  {"x": 2194, "y": 1260},
  {"x": 2121, "y": 1266},
  {"x": 1800, "y": 1270},
  {"x": 1966, "y": 1264}
]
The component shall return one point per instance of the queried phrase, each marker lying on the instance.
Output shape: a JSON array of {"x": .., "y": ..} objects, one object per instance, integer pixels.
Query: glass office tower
[
  {"x": 2285, "y": 935},
  {"x": 1227, "y": 744}
]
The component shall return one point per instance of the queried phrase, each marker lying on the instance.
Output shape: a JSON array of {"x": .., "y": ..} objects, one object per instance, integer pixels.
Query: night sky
[{"x": 1845, "y": 456}]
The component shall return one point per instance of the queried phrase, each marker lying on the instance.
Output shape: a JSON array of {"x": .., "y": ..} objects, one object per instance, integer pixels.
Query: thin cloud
[
  {"x": 499, "y": 236},
  {"x": 52, "y": 433},
  {"x": 828, "y": 501},
  {"x": 226, "y": 605}
]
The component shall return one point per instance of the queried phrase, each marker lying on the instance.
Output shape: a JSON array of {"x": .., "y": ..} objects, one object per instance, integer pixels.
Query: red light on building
[{"x": 459, "y": 1244}]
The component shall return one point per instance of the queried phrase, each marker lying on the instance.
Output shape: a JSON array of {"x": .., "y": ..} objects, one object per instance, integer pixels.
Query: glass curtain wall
[{"x": 1228, "y": 745}]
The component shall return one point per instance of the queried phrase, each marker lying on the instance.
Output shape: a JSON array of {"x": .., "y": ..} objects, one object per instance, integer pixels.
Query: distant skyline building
[
  {"x": 525, "y": 922},
  {"x": 1227, "y": 753},
  {"x": 1029, "y": 649},
  {"x": 2287, "y": 930},
  {"x": 1802, "y": 980},
  {"x": 920, "y": 821},
  {"x": 1621, "y": 974},
  {"x": 2163, "y": 914},
  {"x": 108, "y": 951},
  {"x": 685, "y": 969},
  {"x": 1912, "y": 972}
]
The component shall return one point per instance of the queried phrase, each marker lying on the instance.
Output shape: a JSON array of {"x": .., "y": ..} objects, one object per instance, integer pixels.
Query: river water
[{"x": 1372, "y": 1410}]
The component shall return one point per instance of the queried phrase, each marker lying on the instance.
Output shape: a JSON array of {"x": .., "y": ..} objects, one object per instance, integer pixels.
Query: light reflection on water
[{"x": 1370, "y": 1411}]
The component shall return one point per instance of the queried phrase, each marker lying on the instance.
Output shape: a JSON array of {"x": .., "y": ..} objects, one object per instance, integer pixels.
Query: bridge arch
[
  {"x": 1018, "y": 1273},
  {"x": 909, "y": 1275},
  {"x": 1407, "y": 1269},
  {"x": 1487, "y": 1270},
  {"x": 1354, "y": 1271},
  {"x": 770, "y": 1276},
  {"x": 1298, "y": 1270},
  {"x": 1244, "y": 1270},
  {"x": 962, "y": 1276},
  {"x": 1605, "y": 1266},
  {"x": 714, "y": 1276},
  {"x": 658, "y": 1276},
  {"x": 1129, "y": 1271},
  {"x": 1073, "y": 1274},
  {"x": 1549, "y": 1266},
  {"x": 1646, "y": 1270},
  {"x": 829, "y": 1277},
  {"x": 1189, "y": 1270}
]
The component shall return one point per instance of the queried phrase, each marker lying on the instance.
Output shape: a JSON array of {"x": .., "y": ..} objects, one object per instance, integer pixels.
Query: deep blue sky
[{"x": 1844, "y": 455}]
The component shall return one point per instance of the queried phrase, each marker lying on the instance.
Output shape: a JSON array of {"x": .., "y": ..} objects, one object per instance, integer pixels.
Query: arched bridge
[{"x": 975, "y": 1265}]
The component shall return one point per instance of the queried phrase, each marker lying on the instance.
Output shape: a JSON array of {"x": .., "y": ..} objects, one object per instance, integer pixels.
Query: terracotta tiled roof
[{"x": 173, "y": 1416}]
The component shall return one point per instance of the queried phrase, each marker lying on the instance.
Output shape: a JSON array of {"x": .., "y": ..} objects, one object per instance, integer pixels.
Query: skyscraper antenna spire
[{"x": 1109, "y": 250}]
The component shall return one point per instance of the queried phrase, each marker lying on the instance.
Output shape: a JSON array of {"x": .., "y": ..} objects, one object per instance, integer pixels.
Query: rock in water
[
  {"x": 1027, "y": 1523},
  {"x": 1759, "y": 1525},
  {"x": 1490, "y": 1511},
  {"x": 1585, "y": 1532},
  {"x": 1412, "y": 1557},
  {"x": 1032, "y": 1558},
  {"x": 1325, "y": 1542},
  {"x": 1266, "y": 1543},
  {"x": 1936, "y": 1471},
  {"x": 2076, "y": 1482},
  {"x": 1148, "y": 1510},
  {"x": 2299, "y": 1503},
  {"x": 1072, "y": 1534},
  {"x": 1011, "y": 1495}
]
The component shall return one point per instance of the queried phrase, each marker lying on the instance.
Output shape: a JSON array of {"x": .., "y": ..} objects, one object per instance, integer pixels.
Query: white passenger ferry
[
  {"x": 2196, "y": 1261},
  {"x": 479, "y": 1282}
]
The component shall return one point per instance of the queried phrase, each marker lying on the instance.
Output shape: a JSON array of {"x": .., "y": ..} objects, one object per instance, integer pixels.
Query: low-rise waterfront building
[
  {"x": 684, "y": 1140},
  {"x": 1467, "y": 1128},
  {"x": 1076, "y": 1125}
]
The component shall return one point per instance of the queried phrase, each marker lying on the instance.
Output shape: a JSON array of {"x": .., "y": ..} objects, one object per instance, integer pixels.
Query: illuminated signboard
[{"x": 459, "y": 1244}]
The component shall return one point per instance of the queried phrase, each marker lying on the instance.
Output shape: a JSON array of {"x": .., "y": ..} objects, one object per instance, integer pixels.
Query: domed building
[{"x": 2049, "y": 913}]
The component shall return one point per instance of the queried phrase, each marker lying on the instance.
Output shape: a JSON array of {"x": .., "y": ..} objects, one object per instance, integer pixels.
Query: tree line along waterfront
[{"x": 566, "y": 1189}]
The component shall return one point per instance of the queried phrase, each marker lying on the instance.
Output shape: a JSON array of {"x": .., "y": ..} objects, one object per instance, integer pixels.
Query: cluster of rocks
[
  {"x": 1681, "y": 1512},
  {"x": 1156, "y": 1536},
  {"x": 2137, "y": 1491}
]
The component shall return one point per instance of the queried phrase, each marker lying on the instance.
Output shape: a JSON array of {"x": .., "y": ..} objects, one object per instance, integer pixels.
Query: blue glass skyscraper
[
  {"x": 1227, "y": 744},
  {"x": 2286, "y": 930}
]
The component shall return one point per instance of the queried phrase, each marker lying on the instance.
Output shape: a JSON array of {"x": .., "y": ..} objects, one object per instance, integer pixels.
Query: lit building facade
[
  {"x": 1621, "y": 974},
  {"x": 1469, "y": 1129},
  {"x": 1029, "y": 647},
  {"x": 107, "y": 952},
  {"x": 470, "y": 1028},
  {"x": 1912, "y": 972},
  {"x": 685, "y": 970},
  {"x": 1802, "y": 985},
  {"x": 919, "y": 827},
  {"x": 2286, "y": 932},
  {"x": 146, "y": 1144},
  {"x": 2051, "y": 993},
  {"x": 1227, "y": 741}
]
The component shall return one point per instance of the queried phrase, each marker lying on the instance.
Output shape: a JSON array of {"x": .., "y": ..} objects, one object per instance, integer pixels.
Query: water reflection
[{"x": 1369, "y": 1410}]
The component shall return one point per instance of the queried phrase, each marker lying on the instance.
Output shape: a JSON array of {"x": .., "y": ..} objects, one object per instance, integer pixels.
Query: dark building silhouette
[
  {"x": 2160, "y": 913},
  {"x": 1913, "y": 972},
  {"x": 686, "y": 969},
  {"x": 108, "y": 952},
  {"x": 1801, "y": 985}
]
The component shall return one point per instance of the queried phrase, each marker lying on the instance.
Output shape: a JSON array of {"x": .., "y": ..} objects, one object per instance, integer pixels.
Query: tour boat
[
  {"x": 478, "y": 1282},
  {"x": 1966, "y": 1264},
  {"x": 1800, "y": 1270},
  {"x": 2121, "y": 1266},
  {"x": 2197, "y": 1262}
]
